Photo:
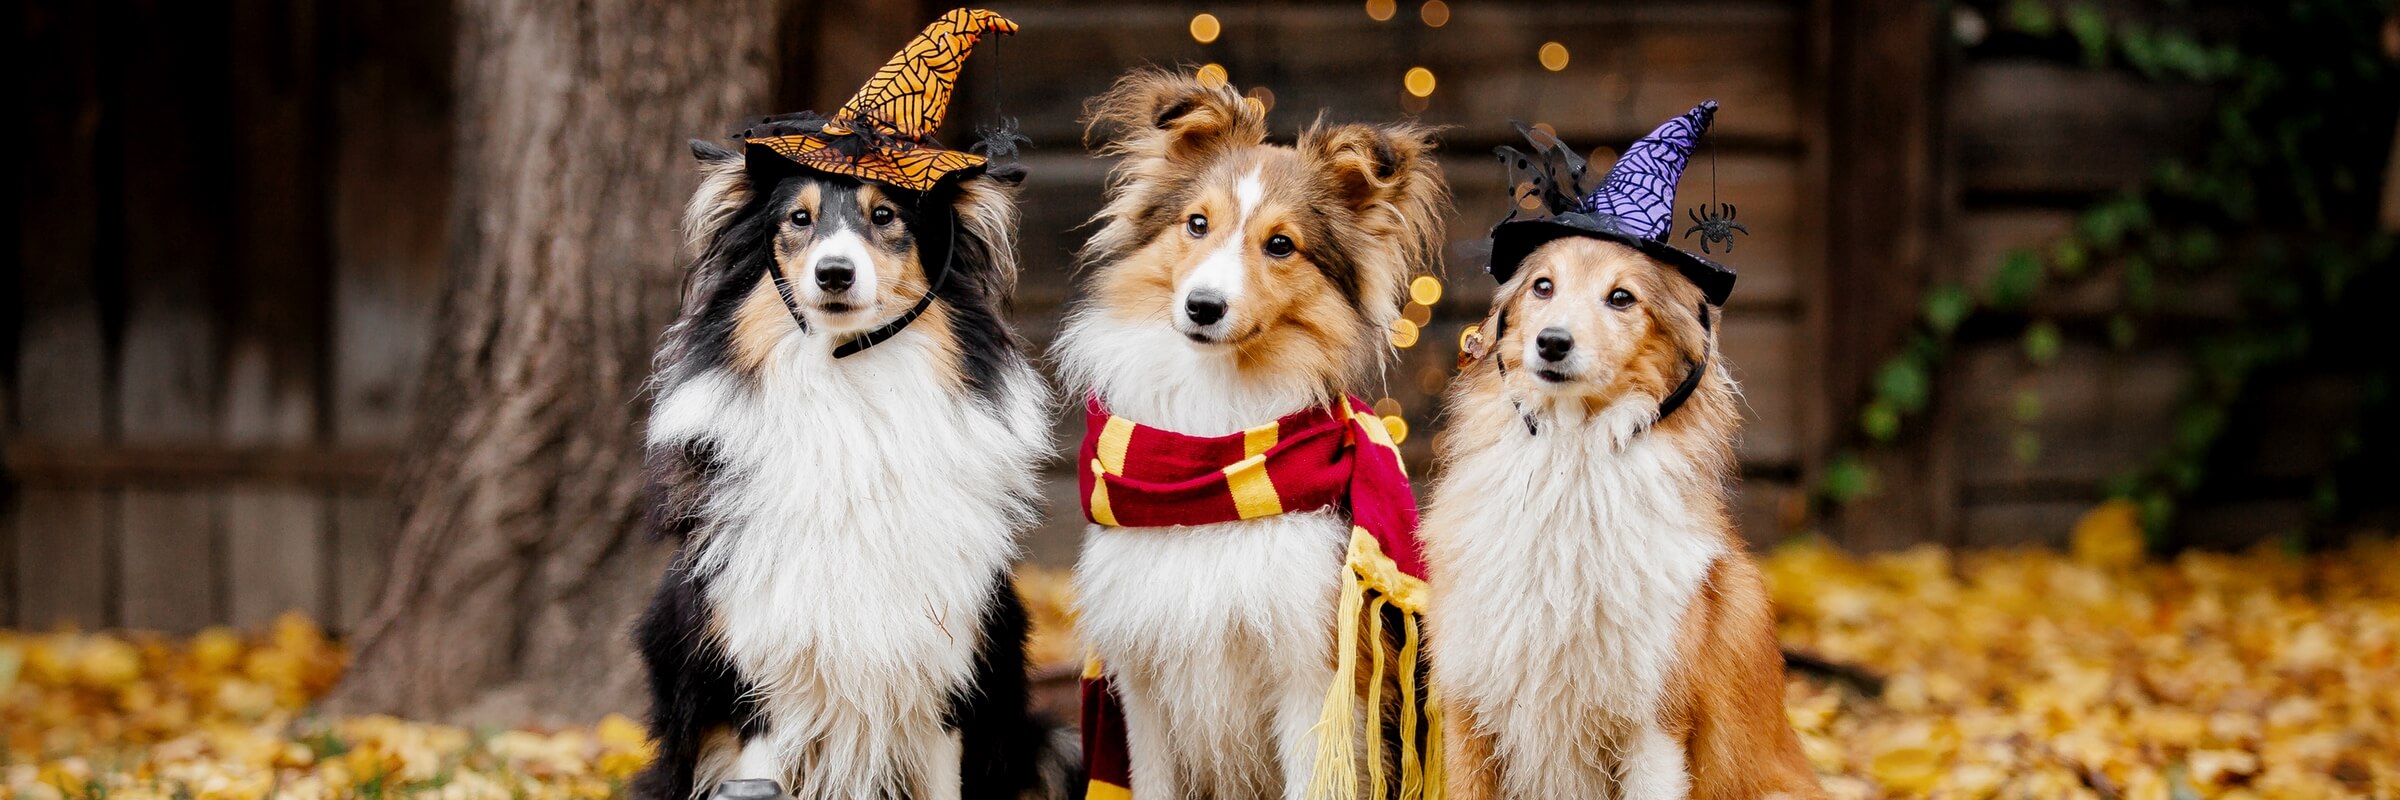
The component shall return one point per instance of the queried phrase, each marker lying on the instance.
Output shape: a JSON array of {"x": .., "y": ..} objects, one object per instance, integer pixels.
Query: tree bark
[{"x": 520, "y": 559}]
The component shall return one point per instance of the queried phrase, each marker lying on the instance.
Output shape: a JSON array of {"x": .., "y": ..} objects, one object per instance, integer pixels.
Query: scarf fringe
[{"x": 1343, "y": 738}]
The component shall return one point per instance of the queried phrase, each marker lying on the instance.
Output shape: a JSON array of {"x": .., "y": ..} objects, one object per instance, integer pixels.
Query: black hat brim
[{"x": 1514, "y": 240}]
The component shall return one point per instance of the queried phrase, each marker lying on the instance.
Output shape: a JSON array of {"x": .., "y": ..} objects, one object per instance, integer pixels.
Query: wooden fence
[
  {"x": 231, "y": 237},
  {"x": 229, "y": 248}
]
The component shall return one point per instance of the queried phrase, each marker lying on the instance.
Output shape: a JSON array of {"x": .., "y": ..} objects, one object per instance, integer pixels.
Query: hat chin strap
[
  {"x": 1691, "y": 378},
  {"x": 881, "y": 333}
]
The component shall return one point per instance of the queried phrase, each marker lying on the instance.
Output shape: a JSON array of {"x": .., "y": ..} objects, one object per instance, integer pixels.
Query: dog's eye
[
  {"x": 1620, "y": 299},
  {"x": 883, "y": 215},
  {"x": 801, "y": 219},
  {"x": 1197, "y": 226},
  {"x": 1542, "y": 288},
  {"x": 1279, "y": 245}
]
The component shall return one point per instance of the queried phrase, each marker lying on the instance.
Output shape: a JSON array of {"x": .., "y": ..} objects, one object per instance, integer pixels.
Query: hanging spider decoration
[
  {"x": 998, "y": 142},
  {"x": 1716, "y": 226}
]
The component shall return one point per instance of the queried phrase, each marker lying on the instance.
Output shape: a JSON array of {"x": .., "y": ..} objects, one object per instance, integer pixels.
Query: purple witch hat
[{"x": 1634, "y": 204}]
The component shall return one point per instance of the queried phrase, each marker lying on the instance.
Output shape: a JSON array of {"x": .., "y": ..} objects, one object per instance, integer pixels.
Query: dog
[
  {"x": 838, "y": 617},
  {"x": 1596, "y": 626},
  {"x": 1232, "y": 282}
]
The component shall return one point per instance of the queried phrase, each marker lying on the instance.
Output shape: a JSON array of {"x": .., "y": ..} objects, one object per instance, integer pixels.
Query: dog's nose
[
  {"x": 1553, "y": 343},
  {"x": 1204, "y": 307},
  {"x": 834, "y": 273}
]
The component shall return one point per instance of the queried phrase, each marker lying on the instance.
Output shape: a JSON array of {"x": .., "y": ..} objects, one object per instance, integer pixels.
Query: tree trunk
[{"x": 520, "y": 559}]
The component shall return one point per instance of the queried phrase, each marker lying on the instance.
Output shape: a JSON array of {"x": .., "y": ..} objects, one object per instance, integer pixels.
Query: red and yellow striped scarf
[{"x": 1139, "y": 476}]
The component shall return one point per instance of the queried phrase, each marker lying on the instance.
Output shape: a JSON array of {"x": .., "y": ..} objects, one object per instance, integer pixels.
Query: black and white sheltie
[
  {"x": 1234, "y": 281},
  {"x": 838, "y": 617}
]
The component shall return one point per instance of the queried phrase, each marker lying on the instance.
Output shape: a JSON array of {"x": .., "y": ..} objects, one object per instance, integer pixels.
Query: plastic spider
[
  {"x": 1714, "y": 227},
  {"x": 999, "y": 142}
]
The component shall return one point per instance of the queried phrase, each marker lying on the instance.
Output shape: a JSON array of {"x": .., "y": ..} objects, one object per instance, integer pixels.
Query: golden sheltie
[
  {"x": 1597, "y": 629},
  {"x": 1233, "y": 282}
]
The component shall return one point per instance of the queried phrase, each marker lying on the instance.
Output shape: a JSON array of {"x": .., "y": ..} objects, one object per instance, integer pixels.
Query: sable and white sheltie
[
  {"x": 1234, "y": 282},
  {"x": 1596, "y": 627},
  {"x": 838, "y": 617}
]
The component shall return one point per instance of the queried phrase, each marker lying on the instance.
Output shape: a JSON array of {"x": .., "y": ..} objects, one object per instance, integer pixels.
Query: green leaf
[
  {"x": 1848, "y": 478},
  {"x": 2103, "y": 226},
  {"x": 2031, "y": 16},
  {"x": 2121, "y": 331},
  {"x": 2020, "y": 274},
  {"x": 2090, "y": 29},
  {"x": 2141, "y": 283},
  {"x": 2043, "y": 341},
  {"x": 1946, "y": 306},
  {"x": 2070, "y": 257},
  {"x": 2026, "y": 406},
  {"x": 1903, "y": 384},
  {"x": 1880, "y": 421},
  {"x": 2026, "y": 445},
  {"x": 2198, "y": 247}
]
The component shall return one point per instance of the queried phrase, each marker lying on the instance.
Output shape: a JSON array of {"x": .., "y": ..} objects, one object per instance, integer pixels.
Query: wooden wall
[
  {"x": 227, "y": 254},
  {"x": 231, "y": 229},
  {"x": 2030, "y": 139}
]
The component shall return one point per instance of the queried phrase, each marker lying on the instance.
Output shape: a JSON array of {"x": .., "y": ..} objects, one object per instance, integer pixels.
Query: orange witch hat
[{"x": 885, "y": 132}]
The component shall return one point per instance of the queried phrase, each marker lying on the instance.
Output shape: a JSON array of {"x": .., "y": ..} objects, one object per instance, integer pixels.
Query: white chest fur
[
  {"x": 864, "y": 509},
  {"x": 1568, "y": 560},
  {"x": 1218, "y": 636}
]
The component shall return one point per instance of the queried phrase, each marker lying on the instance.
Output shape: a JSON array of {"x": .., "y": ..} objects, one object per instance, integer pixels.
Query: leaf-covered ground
[{"x": 2003, "y": 674}]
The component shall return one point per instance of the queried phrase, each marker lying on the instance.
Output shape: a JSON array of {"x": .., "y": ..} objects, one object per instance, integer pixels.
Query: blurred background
[{"x": 345, "y": 307}]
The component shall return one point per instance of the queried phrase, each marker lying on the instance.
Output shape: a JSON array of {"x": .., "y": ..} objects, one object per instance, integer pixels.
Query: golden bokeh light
[
  {"x": 1554, "y": 56},
  {"x": 1381, "y": 10},
  {"x": 1470, "y": 337},
  {"x": 1205, "y": 28},
  {"x": 1426, "y": 290},
  {"x": 1212, "y": 75},
  {"x": 1417, "y": 314},
  {"x": 1264, "y": 96},
  {"x": 1413, "y": 104},
  {"x": 1387, "y": 407},
  {"x": 1435, "y": 13},
  {"x": 1398, "y": 428},
  {"x": 1419, "y": 81},
  {"x": 1404, "y": 333}
]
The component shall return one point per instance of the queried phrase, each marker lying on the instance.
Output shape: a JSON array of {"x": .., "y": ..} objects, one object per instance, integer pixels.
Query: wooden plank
[
  {"x": 177, "y": 200},
  {"x": 72, "y": 463},
  {"x": 275, "y": 554},
  {"x": 60, "y": 538},
  {"x": 363, "y": 523},
  {"x": 390, "y": 208},
  {"x": 1884, "y": 212},
  {"x": 1986, "y": 237},
  {"x": 2039, "y": 127},
  {"x": 1630, "y": 66},
  {"x": 62, "y": 557},
  {"x": 169, "y": 564},
  {"x": 1760, "y": 351},
  {"x": 275, "y": 536},
  {"x": 2038, "y": 523},
  {"x": 2101, "y": 412},
  {"x": 1770, "y": 511}
]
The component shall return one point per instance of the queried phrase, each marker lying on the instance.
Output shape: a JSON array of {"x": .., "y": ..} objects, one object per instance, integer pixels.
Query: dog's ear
[
  {"x": 724, "y": 189},
  {"x": 1389, "y": 179},
  {"x": 1155, "y": 113},
  {"x": 986, "y": 209}
]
